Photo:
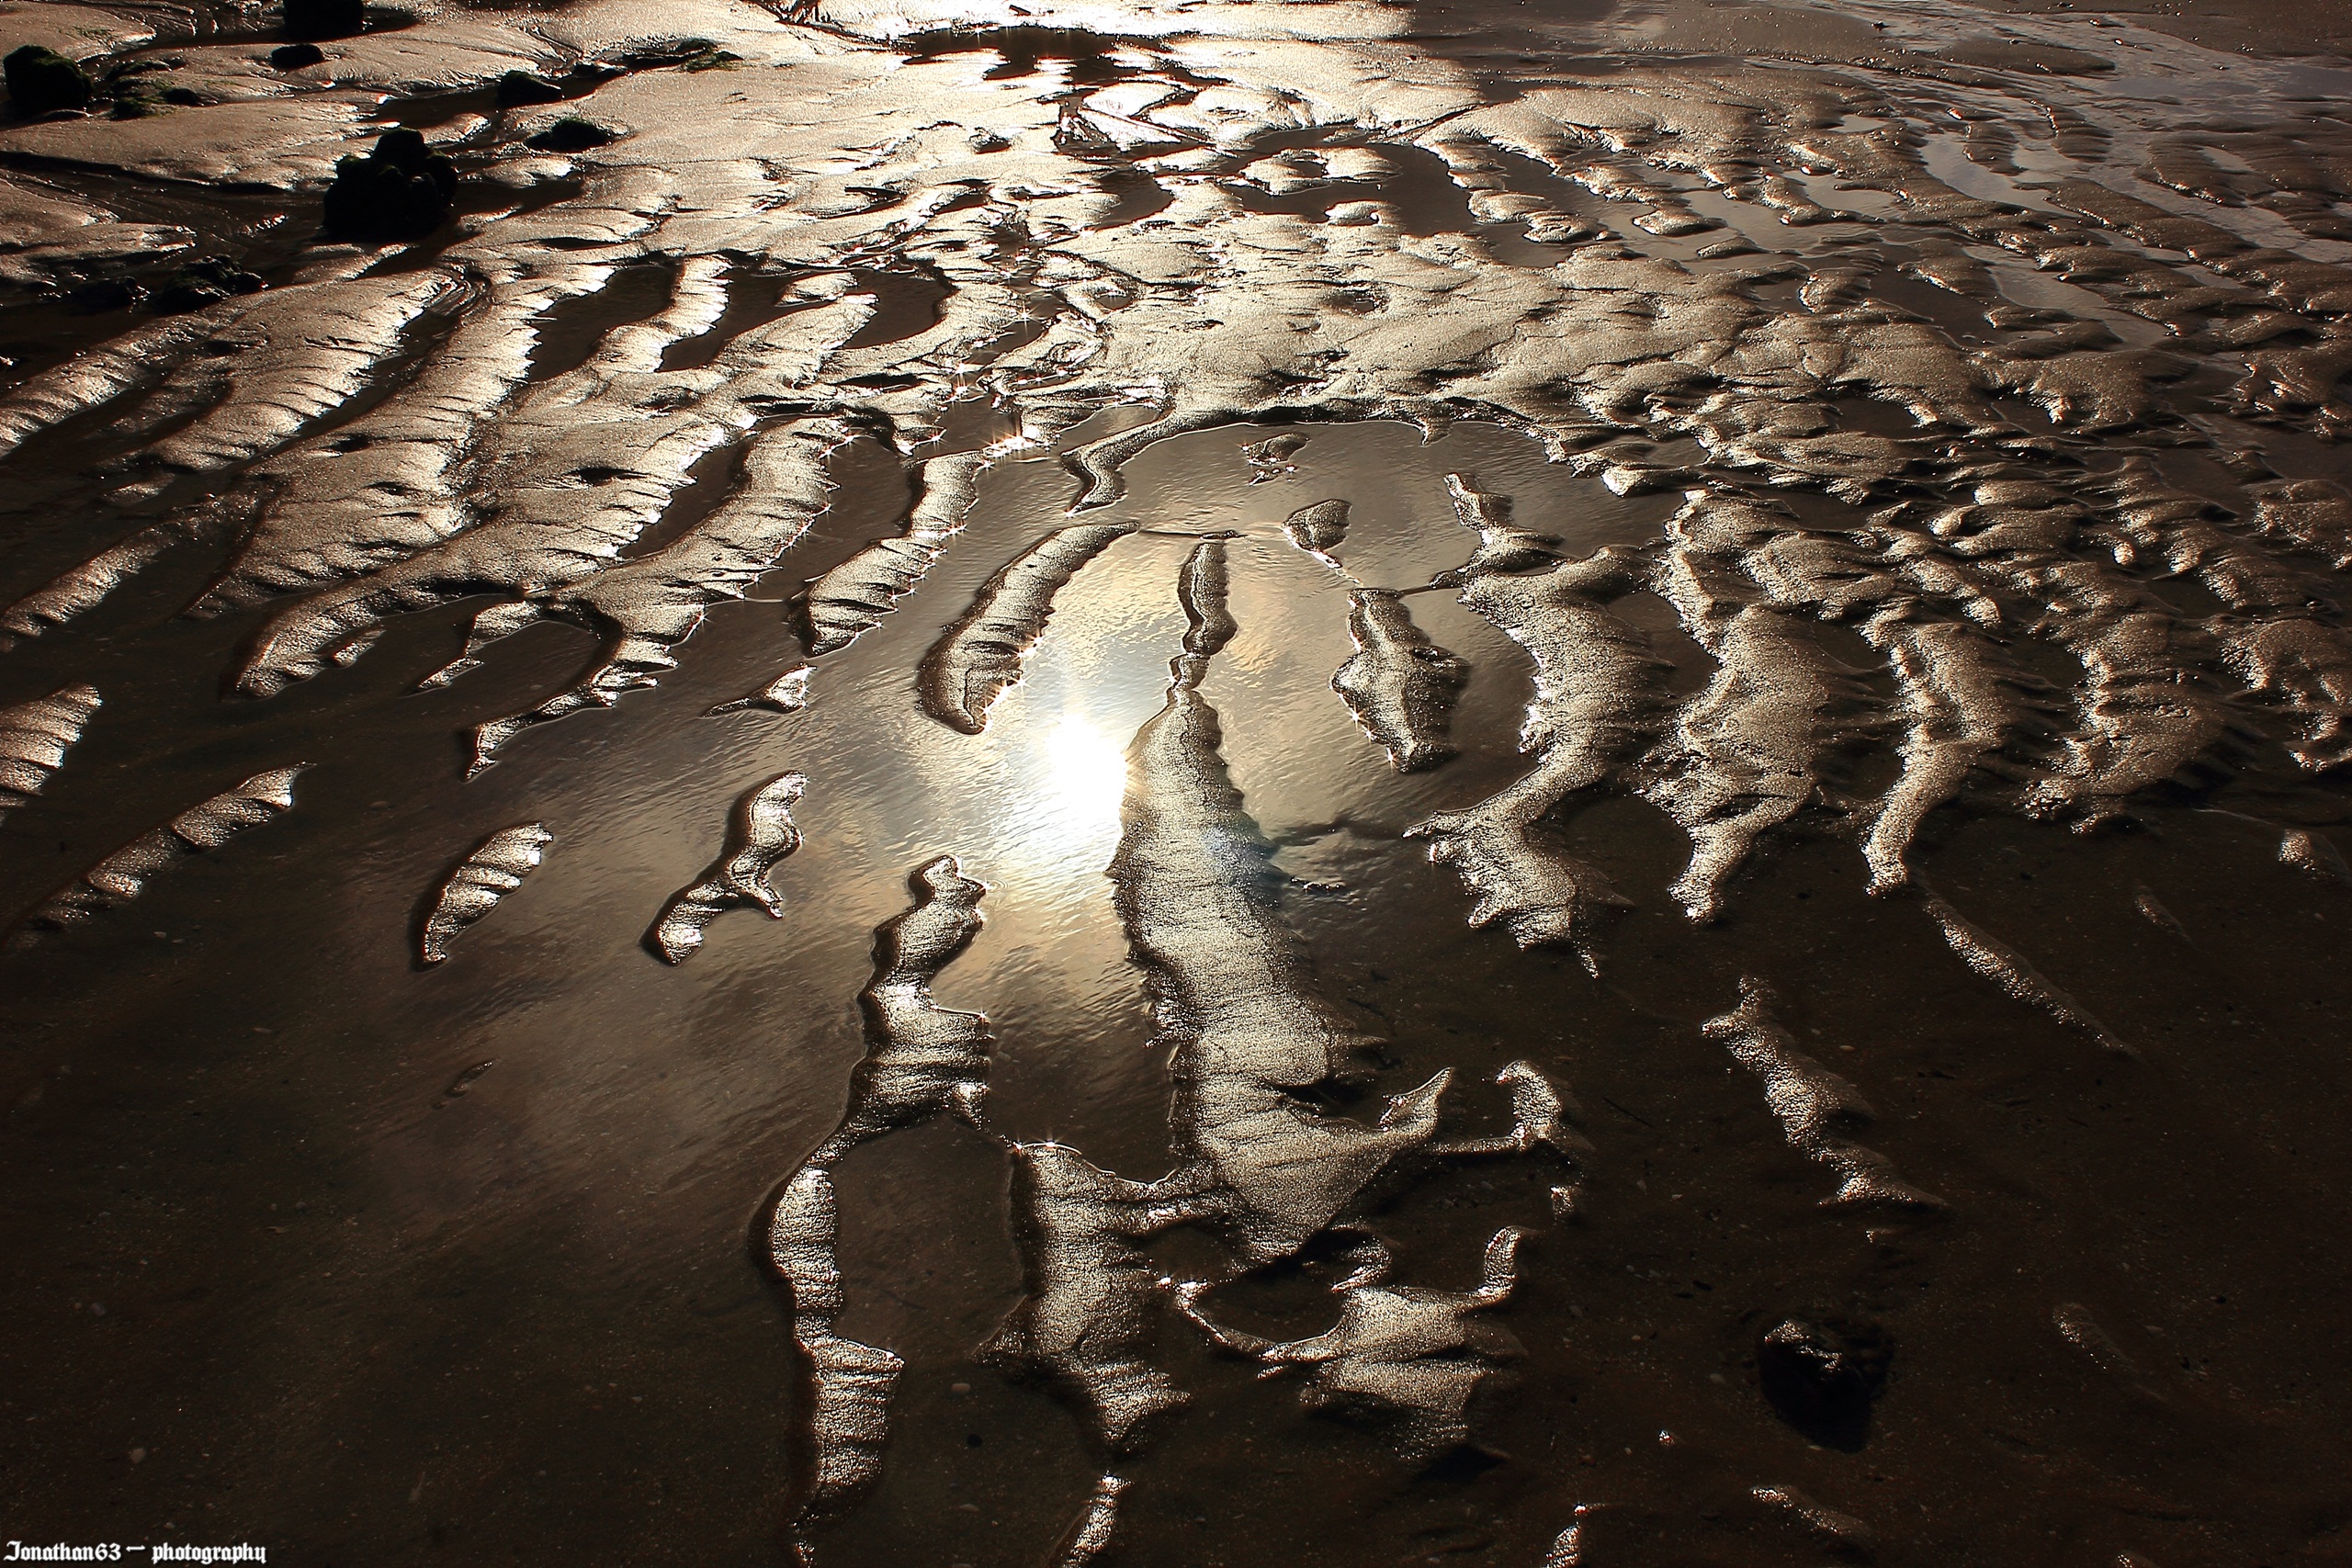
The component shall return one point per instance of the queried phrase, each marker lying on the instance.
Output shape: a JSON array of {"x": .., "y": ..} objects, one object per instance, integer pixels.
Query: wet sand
[{"x": 1319, "y": 784}]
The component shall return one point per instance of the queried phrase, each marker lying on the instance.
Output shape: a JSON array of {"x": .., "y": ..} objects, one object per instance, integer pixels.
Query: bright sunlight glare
[{"x": 1086, "y": 775}]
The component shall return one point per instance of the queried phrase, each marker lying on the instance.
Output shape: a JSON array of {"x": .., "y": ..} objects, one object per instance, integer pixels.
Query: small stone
[
  {"x": 959, "y": 1388},
  {"x": 139, "y": 1456},
  {"x": 324, "y": 19},
  {"x": 1823, "y": 1377},
  {"x": 41, "y": 80},
  {"x": 294, "y": 56},
  {"x": 184, "y": 97},
  {"x": 518, "y": 87},
  {"x": 572, "y": 134}
]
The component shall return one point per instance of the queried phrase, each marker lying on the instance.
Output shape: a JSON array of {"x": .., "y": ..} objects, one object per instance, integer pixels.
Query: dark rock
[
  {"x": 41, "y": 80},
  {"x": 1823, "y": 1376},
  {"x": 324, "y": 19},
  {"x": 688, "y": 54},
  {"x": 572, "y": 134},
  {"x": 518, "y": 87},
  {"x": 103, "y": 294},
  {"x": 294, "y": 56},
  {"x": 184, "y": 97},
  {"x": 177, "y": 298},
  {"x": 399, "y": 191},
  {"x": 202, "y": 283}
]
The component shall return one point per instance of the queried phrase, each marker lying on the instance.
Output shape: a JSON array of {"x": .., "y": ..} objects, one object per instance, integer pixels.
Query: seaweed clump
[{"x": 202, "y": 283}]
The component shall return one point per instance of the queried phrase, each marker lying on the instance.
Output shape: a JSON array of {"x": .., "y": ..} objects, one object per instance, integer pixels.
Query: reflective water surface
[{"x": 1230, "y": 784}]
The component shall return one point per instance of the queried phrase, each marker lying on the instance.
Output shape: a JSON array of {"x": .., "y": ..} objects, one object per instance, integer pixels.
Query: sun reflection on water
[
  {"x": 1068, "y": 779},
  {"x": 1085, "y": 777}
]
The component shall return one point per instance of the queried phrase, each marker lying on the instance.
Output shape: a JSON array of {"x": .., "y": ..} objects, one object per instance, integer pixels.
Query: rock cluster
[{"x": 399, "y": 191}]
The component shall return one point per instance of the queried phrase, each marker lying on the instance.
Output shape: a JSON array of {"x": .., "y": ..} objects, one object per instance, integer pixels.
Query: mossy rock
[
  {"x": 572, "y": 134},
  {"x": 399, "y": 191},
  {"x": 519, "y": 87},
  {"x": 41, "y": 80}
]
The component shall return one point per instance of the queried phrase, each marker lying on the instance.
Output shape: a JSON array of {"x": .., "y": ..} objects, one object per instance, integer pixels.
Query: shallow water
[{"x": 1792, "y": 811}]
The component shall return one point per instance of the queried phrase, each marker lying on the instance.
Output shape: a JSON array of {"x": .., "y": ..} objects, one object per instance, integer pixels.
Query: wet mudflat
[{"x": 1240, "y": 785}]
